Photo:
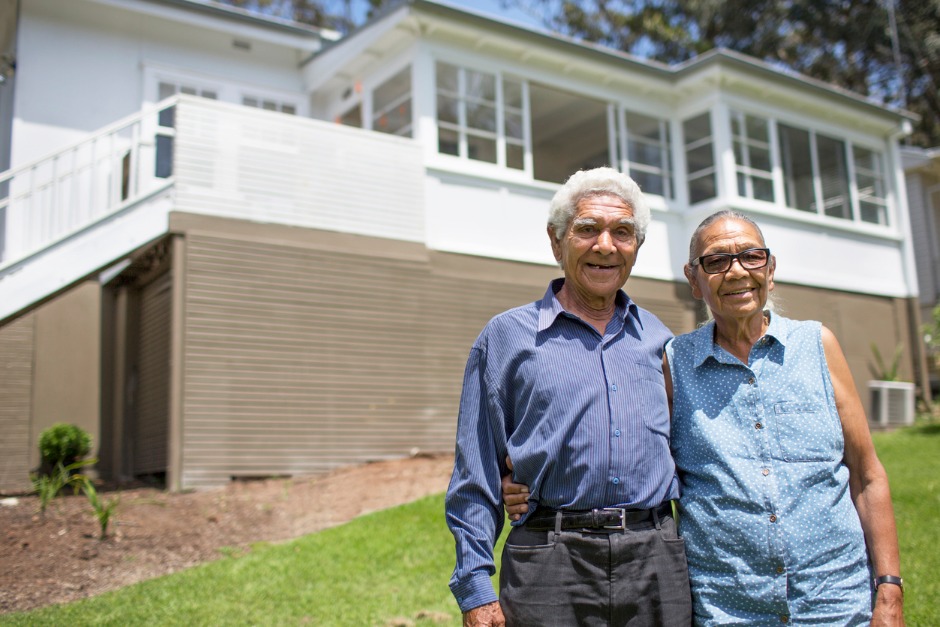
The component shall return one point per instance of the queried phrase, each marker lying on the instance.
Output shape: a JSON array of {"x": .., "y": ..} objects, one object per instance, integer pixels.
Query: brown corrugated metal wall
[{"x": 16, "y": 389}]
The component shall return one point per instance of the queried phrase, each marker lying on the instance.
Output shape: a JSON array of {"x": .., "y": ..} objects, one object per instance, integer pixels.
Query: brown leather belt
[{"x": 612, "y": 518}]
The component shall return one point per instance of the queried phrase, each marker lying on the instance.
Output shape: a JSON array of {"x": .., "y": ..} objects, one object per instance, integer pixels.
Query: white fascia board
[
  {"x": 264, "y": 30},
  {"x": 725, "y": 69},
  {"x": 336, "y": 58}
]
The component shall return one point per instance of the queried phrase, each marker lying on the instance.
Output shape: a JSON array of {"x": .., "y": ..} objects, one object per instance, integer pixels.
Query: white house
[
  {"x": 922, "y": 174},
  {"x": 234, "y": 246}
]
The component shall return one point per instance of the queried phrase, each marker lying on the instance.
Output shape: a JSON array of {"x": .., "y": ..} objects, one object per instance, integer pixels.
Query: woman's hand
[{"x": 515, "y": 495}]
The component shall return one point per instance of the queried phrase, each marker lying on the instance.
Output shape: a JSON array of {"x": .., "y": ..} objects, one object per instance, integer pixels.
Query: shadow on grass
[{"x": 932, "y": 428}]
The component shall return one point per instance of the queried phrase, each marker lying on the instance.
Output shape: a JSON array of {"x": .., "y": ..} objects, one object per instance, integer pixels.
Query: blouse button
[
  {"x": 758, "y": 426},
  {"x": 765, "y": 471},
  {"x": 773, "y": 518},
  {"x": 751, "y": 381}
]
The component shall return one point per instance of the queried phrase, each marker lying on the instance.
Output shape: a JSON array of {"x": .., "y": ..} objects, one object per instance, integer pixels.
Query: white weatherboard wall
[
  {"x": 269, "y": 167},
  {"x": 58, "y": 100}
]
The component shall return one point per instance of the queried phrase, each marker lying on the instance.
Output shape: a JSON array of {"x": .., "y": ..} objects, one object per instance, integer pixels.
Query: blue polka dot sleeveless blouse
[{"x": 772, "y": 535}]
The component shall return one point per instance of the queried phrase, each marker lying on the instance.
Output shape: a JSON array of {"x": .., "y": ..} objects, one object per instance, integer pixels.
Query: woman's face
[{"x": 737, "y": 293}]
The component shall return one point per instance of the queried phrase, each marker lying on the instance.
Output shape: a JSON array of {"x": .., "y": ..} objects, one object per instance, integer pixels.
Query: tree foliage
[
  {"x": 849, "y": 43},
  {"x": 338, "y": 15}
]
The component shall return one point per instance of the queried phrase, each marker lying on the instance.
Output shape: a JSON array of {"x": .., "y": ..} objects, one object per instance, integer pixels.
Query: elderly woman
[
  {"x": 785, "y": 507},
  {"x": 782, "y": 489}
]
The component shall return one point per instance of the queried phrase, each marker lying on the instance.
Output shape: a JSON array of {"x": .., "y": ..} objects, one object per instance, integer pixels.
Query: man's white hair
[{"x": 597, "y": 182}]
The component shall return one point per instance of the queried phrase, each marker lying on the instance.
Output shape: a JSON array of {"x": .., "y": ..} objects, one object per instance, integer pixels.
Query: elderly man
[{"x": 571, "y": 388}]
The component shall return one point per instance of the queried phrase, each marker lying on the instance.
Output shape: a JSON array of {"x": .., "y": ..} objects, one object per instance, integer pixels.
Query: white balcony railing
[{"x": 55, "y": 197}]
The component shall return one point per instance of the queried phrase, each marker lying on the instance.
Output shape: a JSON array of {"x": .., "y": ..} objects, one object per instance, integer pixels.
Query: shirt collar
[
  {"x": 550, "y": 307},
  {"x": 704, "y": 345}
]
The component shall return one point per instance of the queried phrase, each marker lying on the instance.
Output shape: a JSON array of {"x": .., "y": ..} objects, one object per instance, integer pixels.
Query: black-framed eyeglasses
[{"x": 750, "y": 259}]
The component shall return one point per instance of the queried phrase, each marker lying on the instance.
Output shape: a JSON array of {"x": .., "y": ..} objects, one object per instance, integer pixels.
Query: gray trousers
[{"x": 635, "y": 577}]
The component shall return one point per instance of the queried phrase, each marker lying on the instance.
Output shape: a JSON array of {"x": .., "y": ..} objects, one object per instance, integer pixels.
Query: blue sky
[{"x": 493, "y": 8}]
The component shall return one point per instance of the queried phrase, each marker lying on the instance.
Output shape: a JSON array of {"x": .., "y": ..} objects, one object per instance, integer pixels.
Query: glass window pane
[
  {"x": 833, "y": 176},
  {"x": 447, "y": 108},
  {"x": 392, "y": 90},
  {"x": 164, "y": 158},
  {"x": 700, "y": 158},
  {"x": 288, "y": 109},
  {"x": 645, "y": 153},
  {"x": 644, "y": 126},
  {"x": 758, "y": 129},
  {"x": 875, "y": 213},
  {"x": 512, "y": 93},
  {"x": 649, "y": 182},
  {"x": 481, "y": 86},
  {"x": 697, "y": 128},
  {"x": 391, "y": 103},
  {"x": 569, "y": 132},
  {"x": 514, "y": 124},
  {"x": 166, "y": 90},
  {"x": 446, "y": 77},
  {"x": 481, "y": 148},
  {"x": 763, "y": 188},
  {"x": 702, "y": 188},
  {"x": 481, "y": 116},
  {"x": 760, "y": 159},
  {"x": 515, "y": 156},
  {"x": 448, "y": 142},
  {"x": 353, "y": 117},
  {"x": 797, "y": 163}
]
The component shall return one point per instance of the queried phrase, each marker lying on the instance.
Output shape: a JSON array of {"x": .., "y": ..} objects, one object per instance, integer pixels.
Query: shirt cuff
[{"x": 474, "y": 591}]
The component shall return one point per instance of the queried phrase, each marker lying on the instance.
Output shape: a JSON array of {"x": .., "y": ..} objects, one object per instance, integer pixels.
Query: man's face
[{"x": 598, "y": 250}]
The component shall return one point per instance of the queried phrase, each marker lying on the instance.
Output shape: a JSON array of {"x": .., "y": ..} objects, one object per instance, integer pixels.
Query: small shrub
[
  {"x": 48, "y": 485},
  {"x": 103, "y": 509},
  {"x": 63, "y": 444}
]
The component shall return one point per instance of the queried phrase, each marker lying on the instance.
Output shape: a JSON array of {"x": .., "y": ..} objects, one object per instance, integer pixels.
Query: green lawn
[{"x": 391, "y": 568}]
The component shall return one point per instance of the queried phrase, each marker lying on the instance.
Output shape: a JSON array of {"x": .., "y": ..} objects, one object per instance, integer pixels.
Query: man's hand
[
  {"x": 515, "y": 495},
  {"x": 888, "y": 607},
  {"x": 489, "y": 615}
]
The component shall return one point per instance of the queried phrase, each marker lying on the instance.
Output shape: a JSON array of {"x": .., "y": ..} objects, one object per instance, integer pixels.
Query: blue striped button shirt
[{"x": 583, "y": 417}]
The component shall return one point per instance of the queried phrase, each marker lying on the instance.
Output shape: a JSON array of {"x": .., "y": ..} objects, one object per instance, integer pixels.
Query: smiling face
[
  {"x": 597, "y": 252},
  {"x": 737, "y": 294}
]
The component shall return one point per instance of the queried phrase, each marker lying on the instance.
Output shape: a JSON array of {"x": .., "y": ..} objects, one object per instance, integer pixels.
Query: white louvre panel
[
  {"x": 16, "y": 387},
  {"x": 270, "y": 167},
  {"x": 151, "y": 422},
  {"x": 892, "y": 403}
]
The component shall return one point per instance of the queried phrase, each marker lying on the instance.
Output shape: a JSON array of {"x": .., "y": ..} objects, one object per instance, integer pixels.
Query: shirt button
[
  {"x": 758, "y": 426},
  {"x": 773, "y": 518},
  {"x": 615, "y": 480},
  {"x": 765, "y": 471},
  {"x": 617, "y": 433},
  {"x": 614, "y": 387}
]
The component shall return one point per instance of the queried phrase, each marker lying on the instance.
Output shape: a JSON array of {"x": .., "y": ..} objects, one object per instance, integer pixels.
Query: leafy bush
[
  {"x": 48, "y": 485},
  {"x": 63, "y": 444},
  {"x": 103, "y": 509}
]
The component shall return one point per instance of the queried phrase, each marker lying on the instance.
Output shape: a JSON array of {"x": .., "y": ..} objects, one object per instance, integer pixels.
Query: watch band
[{"x": 889, "y": 579}]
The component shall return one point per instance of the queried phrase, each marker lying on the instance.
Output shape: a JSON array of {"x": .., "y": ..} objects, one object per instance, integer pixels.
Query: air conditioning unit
[{"x": 892, "y": 404}]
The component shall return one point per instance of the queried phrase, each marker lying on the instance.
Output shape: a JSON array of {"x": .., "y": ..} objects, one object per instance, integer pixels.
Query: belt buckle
[{"x": 623, "y": 518}]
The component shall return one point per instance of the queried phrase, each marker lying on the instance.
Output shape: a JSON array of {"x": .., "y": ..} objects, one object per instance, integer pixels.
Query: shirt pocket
[{"x": 806, "y": 431}]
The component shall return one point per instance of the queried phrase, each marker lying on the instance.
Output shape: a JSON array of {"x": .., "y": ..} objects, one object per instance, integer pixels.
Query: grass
[
  {"x": 391, "y": 568},
  {"x": 912, "y": 459}
]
